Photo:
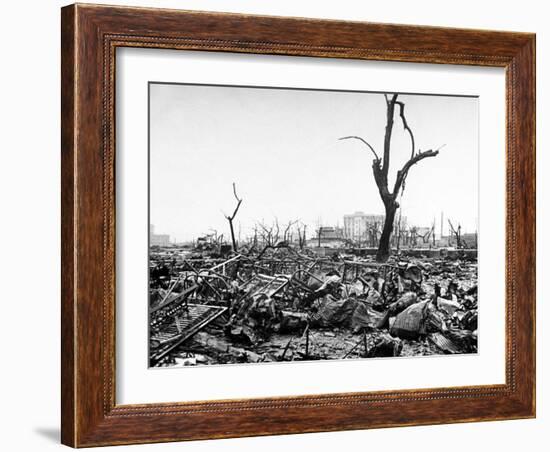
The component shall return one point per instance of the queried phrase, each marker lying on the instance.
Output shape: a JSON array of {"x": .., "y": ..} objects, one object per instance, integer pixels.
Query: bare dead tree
[
  {"x": 318, "y": 230},
  {"x": 302, "y": 228},
  {"x": 265, "y": 233},
  {"x": 276, "y": 232},
  {"x": 232, "y": 217},
  {"x": 425, "y": 237},
  {"x": 414, "y": 235},
  {"x": 371, "y": 234},
  {"x": 287, "y": 234},
  {"x": 270, "y": 234},
  {"x": 381, "y": 166},
  {"x": 456, "y": 233}
]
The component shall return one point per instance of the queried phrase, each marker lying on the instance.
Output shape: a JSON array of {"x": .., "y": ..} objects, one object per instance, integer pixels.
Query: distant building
[
  {"x": 329, "y": 237},
  {"x": 357, "y": 226},
  {"x": 157, "y": 239}
]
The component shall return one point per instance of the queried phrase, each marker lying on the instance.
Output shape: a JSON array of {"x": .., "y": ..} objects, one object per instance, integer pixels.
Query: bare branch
[
  {"x": 402, "y": 173},
  {"x": 452, "y": 227},
  {"x": 365, "y": 142},
  {"x": 232, "y": 217},
  {"x": 287, "y": 229},
  {"x": 267, "y": 230},
  {"x": 235, "y": 192},
  {"x": 387, "y": 135},
  {"x": 239, "y": 201},
  {"x": 236, "y": 209},
  {"x": 406, "y": 126},
  {"x": 277, "y": 230}
]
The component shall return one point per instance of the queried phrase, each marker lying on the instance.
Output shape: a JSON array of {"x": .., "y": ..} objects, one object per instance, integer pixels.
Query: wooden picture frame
[{"x": 90, "y": 35}]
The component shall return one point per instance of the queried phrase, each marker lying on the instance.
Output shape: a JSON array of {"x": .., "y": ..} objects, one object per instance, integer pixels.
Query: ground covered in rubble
[{"x": 286, "y": 305}]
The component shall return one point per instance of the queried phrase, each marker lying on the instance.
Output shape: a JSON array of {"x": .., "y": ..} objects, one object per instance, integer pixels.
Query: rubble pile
[{"x": 281, "y": 304}]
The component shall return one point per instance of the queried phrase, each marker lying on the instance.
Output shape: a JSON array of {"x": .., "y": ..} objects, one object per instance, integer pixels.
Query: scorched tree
[{"x": 381, "y": 166}]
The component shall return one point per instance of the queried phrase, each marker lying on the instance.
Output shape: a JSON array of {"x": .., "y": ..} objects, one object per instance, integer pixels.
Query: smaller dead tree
[
  {"x": 266, "y": 234},
  {"x": 255, "y": 240},
  {"x": 232, "y": 217},
  {"x": 302, "y": 235},
  {"x": 414, "y": 236},
  {"x": 456, "y": 233},
  {"x": 371, "y": 235},
  {"x": 270, "y": 234},
  {"x": 287, "y": 234},
  {"x": 277, "y": 231},
  {"x": 425, "y": 237}
]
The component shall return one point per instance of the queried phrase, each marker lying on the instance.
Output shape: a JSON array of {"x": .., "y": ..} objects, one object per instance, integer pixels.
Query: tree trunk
[
  {"x": 384, "y": 246},
  {"x": 233, "y": 241}
]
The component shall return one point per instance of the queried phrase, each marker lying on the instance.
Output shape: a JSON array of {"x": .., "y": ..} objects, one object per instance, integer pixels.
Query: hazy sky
[{"x": 281, "y": 148}]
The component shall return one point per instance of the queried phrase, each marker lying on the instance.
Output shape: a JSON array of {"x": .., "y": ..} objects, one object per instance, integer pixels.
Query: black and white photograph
[{"x": 291, "y": 224}]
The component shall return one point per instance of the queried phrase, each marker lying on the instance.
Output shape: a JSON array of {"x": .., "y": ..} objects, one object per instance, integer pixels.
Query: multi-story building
[
  {"x": 328, "y": 237},
  {"x": 366, "y": 228},
  {"x": 359, "y": 225}
]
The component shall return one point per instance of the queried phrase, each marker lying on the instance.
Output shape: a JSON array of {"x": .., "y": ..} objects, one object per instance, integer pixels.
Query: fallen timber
[
  {"x": 287, "y": 305},
  {"x": 195, "y": 318}
]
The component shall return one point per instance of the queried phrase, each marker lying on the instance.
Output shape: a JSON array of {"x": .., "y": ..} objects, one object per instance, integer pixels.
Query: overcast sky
[{"x": 281, "y": 148}]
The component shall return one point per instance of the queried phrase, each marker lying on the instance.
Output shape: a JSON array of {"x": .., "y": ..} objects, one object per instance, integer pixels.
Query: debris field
[{"x": 283, "y": 304}]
